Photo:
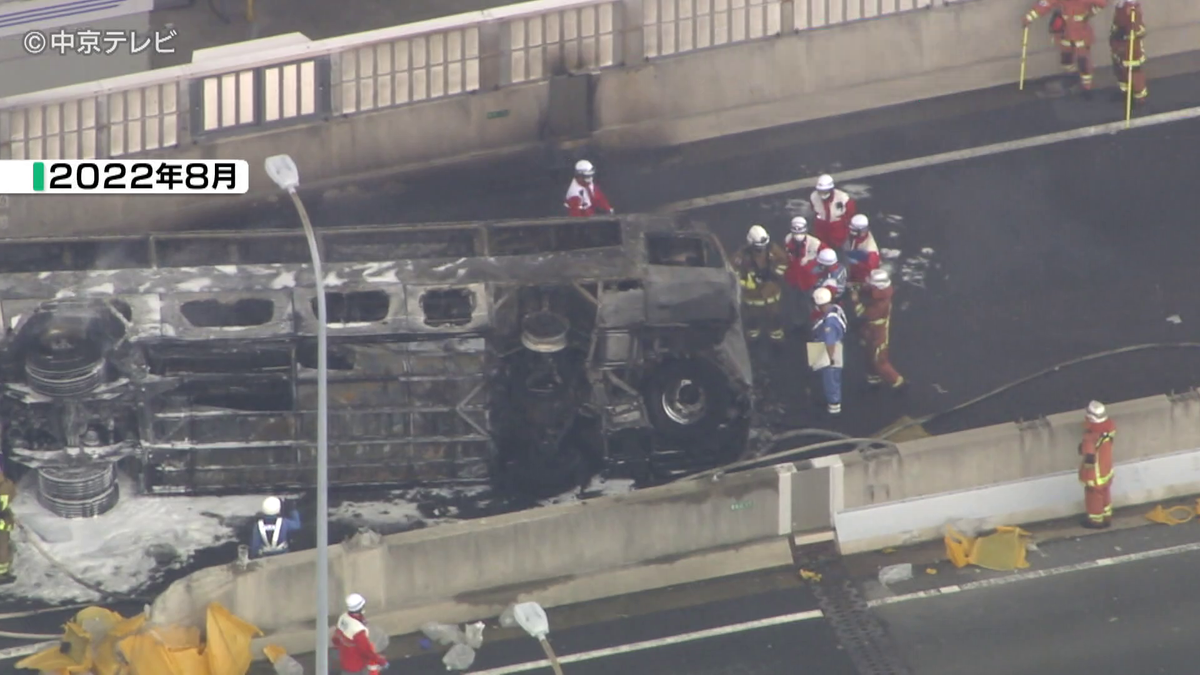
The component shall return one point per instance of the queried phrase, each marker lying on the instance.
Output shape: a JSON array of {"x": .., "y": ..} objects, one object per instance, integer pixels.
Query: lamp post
[{"x": 284, "y": 173}]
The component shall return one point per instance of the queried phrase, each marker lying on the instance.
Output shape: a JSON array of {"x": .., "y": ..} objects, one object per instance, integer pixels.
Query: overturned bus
[{"x": 531, "y": 354}]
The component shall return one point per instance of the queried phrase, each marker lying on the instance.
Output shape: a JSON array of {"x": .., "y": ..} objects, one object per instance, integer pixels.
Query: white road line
[
  {"x": 931, "y": 160},
  {"x": 661, "y": 642},
  {"x": 1039, "y": 574}
]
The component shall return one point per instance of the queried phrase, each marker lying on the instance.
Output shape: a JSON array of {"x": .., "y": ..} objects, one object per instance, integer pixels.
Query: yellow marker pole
[
  {"x": 250, "y": 11},
  {"x": 1129, "y": 73},
  {"x": 1024, "y": 54}
]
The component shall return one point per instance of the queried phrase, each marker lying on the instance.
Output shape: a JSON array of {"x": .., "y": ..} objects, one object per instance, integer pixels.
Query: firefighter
[
  {"x": 833, "y": 209},
  {"x": 761, "y": 267},
  {"x": 802, "y": 249},
  {"x": 831, "y": 274},
  {"x": 874, "y": 307},
  {"x": 356, "y": 653},
  {"x": 829, "y": 330},
  {"x": 1077, "y": 37},
  {"x": 1128, "y": 23},
  {"x": 1096, "y": 469},
  {"x": 584, "y": 198},
  {"x": 8, "y": 521},
  {"x": 860, "y": 251},
  {"x": 272, "y": 532}
]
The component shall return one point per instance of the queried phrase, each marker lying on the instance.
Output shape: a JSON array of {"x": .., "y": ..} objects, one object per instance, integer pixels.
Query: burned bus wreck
[{"x": 528, "y": 353}]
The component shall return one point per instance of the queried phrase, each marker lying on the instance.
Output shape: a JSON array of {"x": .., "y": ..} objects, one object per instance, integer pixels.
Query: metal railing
[{"x": 297, "y": 83}]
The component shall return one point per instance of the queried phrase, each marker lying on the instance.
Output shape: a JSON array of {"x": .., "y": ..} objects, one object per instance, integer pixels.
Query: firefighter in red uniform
[
  {"x": 355, "y": 651},
  {"x": 833, "y": 209},
  {"x": 1128, "y": 24},
  {"x": 860, "y": 251},
  {"x": 584, "y": 198},
  {"x": 874, "y": 306},
  {"x": 1096, "y": 469},
  {"x": 802, "y": 249},
  {"x": 1077, "y": 36}
]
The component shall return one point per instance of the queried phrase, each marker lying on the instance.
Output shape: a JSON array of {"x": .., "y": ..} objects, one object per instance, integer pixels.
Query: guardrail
[{"x": 402, "y": 65}]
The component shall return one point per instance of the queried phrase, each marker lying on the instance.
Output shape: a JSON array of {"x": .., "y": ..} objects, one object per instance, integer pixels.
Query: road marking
[
  {"x": 661, "y": 642},
  {"x": 25, "y": 650},
  {"x": 1039, "y": 574},
  {"x": 932, "y": 160}
]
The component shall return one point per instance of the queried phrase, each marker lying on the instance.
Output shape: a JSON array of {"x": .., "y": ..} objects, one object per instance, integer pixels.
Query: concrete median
[
  {"x": 686, "y": 531},
  {"x": 1012, "y": 474}
]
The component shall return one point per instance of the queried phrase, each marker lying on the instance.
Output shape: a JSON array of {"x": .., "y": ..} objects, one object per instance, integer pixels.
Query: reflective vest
[
  {"x": 270, "y": 533},
  {"x": 1098, "y": 438}
]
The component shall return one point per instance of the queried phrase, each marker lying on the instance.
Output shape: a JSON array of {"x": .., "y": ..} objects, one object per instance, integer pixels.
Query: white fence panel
[{"x": 680, "y": 26}]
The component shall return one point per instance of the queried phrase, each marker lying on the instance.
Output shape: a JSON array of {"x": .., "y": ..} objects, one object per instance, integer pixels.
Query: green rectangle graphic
[{"x": 39, "y": 176}]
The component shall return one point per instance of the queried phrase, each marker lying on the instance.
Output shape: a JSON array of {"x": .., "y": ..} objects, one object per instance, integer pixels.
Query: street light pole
[{"x": 283, "y": 172}]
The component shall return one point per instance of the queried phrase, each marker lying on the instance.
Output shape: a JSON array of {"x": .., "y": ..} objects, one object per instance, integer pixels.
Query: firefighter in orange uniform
[
  {"x": 1128, "y": 24},
  {"x": 1096, "y": 469},
  {"x": 873, "y": 304},
  {"x": 1075, "y": 47}
]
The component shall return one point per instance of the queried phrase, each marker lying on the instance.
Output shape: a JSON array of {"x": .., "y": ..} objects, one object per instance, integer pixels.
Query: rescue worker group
[{"x": 831, "y": 268}]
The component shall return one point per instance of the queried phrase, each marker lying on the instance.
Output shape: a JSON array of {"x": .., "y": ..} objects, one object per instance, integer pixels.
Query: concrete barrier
[
  {"x": 1013, "y": 474},
  {"x": 704, "y": 93},
  {"x": 557, "y": 555},
  {"x": 701, "y": 529}
]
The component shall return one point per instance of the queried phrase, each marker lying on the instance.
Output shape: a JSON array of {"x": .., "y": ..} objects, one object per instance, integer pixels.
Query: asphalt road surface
[
  {"x": 1008, "y": 264},
  {"x": 638, "y": 635},
  {"x": 1113, "y": 602},
  {"x": 1133, "y": 615}
]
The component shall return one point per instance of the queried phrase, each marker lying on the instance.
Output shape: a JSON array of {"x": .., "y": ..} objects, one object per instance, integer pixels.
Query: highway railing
[{"x": 293, "y": 80}]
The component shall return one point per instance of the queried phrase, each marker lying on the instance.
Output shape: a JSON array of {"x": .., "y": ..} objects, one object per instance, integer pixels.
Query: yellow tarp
[
  {"x": 144, "y": 650},
  {"x": 1002, "y": 551},
  {"x": 1176, "y": 515}
]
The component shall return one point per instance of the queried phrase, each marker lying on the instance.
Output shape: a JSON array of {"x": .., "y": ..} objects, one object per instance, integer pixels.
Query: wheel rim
[{"x": 685, "y": 403}]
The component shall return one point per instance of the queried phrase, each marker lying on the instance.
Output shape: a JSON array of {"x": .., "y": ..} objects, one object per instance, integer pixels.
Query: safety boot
[{"x": 1090, "y": 524}]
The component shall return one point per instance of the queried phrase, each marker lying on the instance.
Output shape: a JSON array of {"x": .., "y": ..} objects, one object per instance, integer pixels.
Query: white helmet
[
  {"x": 822, "y": 296},
  {"x": 757, "y": 236},
  {"x": 799, "y": 225},
  {"x": 827, "y": 257},
  {"x": 880, "y": 279},
  {"x": 1096, "y": 412},
  {"x": 355, "y": 602},
  {"x": 825, "y": 182},
  {"x": 859, "y": 222},
  {"x": 585, "y": 168},
  {"x": 271, "y": 506}
]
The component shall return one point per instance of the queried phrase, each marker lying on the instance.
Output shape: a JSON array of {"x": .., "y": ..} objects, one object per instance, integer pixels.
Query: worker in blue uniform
[{"x": 272, "y": 532}]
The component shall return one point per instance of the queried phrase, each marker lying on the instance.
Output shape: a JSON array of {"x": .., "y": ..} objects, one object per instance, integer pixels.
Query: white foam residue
[
  {"x": 194, "y": 285},
  {"x": 443, "y": 268},
  {"x": 284, "y": 280},
  {"x": 332, "y": 279},
  {"x": 892, "y": 234},
  {"x": 893, "y": 218},
  {"x": 927, "y": 251},
  {"x": 799, "y": 207},
  {"x": 231, "y": 270},
  {"x": 915, "y": 269},
  {"x": 381, "y": 273},
  {"x": 105, "y": 289},
  {"x": 1175, "y": 319},
  {"x": 64, "y": 293},
  {"x": 599, "y": 487},
  {"x": 889, "y": 253},
  {"x": 111, "y": 551},
  {"x": 856, "y": 191},
  {"x": 392, "y": 512},
  {"x": 44, "y": 275}
]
